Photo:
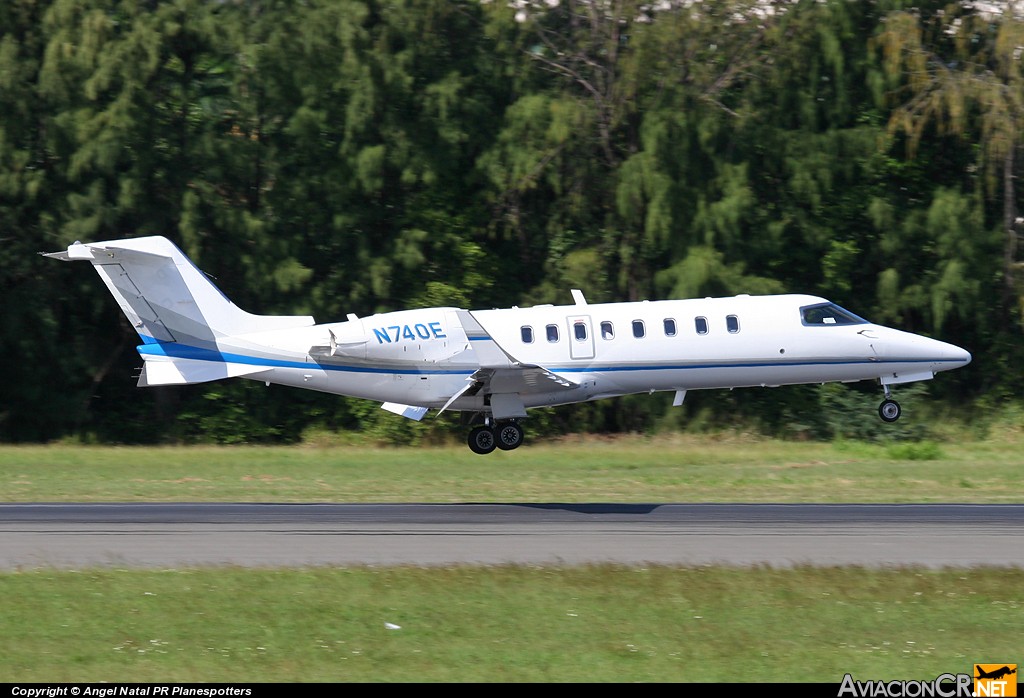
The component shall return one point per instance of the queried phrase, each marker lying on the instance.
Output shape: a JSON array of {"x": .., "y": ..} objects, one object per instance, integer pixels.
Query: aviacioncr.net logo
[{"x": 943, "y": 686}]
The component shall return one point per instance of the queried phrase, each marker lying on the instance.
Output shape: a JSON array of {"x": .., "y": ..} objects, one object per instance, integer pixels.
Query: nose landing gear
[{"x": 889, "y": 410}]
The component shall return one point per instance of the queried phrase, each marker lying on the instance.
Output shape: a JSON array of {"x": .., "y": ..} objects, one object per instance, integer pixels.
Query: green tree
[{"x": 957, "y": 73}]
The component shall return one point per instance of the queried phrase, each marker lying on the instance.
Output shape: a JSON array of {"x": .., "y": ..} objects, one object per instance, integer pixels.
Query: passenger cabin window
[
  {"x": 670, "y": 327},
  {"x": 579, "y": 330},
  {"x": 527, "y": 332},
  {"x": 829, "y": 314},
  {"x": 701, "y": 323},
  {"x": 607, "y": 330},
  {"x": 552, "y": 333},
  {"x": 732, "y": 323},
  {"x": 638, "y": 329}
]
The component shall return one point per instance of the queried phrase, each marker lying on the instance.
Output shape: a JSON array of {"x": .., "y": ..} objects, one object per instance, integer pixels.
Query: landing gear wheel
[
  {"x": 889, "y": 410},
  {"x": 509, "y": 434},
  {"x": 481, "y": 440}
]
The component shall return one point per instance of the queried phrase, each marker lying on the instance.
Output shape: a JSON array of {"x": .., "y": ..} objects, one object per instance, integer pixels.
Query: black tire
[
  {"x": 481, "y": 440},
  {"x": 509, "y": 435},
  {"x": 889, "y": 410}
]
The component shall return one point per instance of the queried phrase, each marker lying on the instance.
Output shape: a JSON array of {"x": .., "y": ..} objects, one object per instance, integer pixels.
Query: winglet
[{"x": 577, "y": 297}]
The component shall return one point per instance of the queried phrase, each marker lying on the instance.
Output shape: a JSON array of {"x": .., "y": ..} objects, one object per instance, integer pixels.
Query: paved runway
[{"x": 187, "y": 535}]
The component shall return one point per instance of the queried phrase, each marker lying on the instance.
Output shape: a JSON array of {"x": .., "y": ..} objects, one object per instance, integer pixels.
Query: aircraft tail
[{"x": 170, "y": 302}]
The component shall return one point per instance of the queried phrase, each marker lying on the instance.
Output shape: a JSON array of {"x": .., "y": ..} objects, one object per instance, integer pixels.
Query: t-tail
[{"x": 176, "y": 309}]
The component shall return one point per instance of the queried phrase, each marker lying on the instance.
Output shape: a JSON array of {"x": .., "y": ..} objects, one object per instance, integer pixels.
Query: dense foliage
[{"x": 337, "y": 156}]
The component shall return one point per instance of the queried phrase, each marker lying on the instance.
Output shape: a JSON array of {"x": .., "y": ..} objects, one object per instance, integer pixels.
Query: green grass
[
  {"x": 731, "y": 468},
  {"x": 506, "y": 624},
  {"x": 509, "y": 623}
]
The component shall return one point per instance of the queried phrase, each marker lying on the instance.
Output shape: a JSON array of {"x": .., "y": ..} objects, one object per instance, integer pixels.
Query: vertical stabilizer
[{"x": 165, "y": 297}]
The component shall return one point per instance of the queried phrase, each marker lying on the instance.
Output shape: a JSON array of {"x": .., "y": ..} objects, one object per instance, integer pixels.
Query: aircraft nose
[
  {"x": 952, "y": 354},
  {"x": 941, "y": 356}
]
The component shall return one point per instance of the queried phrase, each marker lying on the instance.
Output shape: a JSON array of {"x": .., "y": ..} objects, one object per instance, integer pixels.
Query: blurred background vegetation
[{"x": 341, "y": 156}]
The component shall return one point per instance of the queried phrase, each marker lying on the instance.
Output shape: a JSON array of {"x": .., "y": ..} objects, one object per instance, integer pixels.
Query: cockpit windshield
[{"x": 829, "y": 314}]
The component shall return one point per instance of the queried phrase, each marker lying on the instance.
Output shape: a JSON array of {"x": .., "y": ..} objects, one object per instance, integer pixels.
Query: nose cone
[
  {"x": 959, "y": 357},
  {"x": 896, "y": 345},
  {"x": 937, "y": 355},
  {"x": 941, "y": 355}
]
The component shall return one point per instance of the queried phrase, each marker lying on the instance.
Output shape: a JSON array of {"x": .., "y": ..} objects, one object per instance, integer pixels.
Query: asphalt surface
[{"x": 286, "y": 535}]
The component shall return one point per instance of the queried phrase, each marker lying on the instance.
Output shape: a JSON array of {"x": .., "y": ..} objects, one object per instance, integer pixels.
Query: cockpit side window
[{"x": 829, "y": 314}]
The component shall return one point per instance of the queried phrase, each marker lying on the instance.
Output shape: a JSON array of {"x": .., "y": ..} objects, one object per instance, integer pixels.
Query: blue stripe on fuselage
[
  {"x": 183, "y": 351},
  {"x": 755, "y": 364}
]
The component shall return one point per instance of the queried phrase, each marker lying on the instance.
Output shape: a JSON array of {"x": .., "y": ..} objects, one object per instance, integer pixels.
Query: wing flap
[{"x": 526, "y": 380}]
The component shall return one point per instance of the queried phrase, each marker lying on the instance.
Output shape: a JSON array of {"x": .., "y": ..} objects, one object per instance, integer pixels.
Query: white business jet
[{"x": 496, "y": 364}]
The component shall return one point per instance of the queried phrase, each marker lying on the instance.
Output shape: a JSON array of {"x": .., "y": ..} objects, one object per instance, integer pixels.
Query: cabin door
[{"x": 581, "y": 337}]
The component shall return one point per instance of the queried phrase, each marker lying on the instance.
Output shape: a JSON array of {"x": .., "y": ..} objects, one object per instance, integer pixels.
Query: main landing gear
[
  {"x": 889, "y": 410},
  {"x": 505, "y": 435}
]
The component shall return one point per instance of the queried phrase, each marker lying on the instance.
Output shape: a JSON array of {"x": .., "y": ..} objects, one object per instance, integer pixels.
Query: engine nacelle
[{"x": 430, "y": 334}]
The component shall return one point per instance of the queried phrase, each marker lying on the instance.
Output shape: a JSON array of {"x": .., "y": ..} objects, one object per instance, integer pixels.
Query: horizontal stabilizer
[
  {"x": 413, "y": 413},
  {"x": 167, "y": 371}
]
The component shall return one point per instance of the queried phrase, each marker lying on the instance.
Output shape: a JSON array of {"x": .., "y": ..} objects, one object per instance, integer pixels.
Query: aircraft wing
[
  {"x": 522, "y": 379},
  {"x": 502, "y": 372},
  {"x": 507, "y": 385},
  {"x": 502, "y": 376}
]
